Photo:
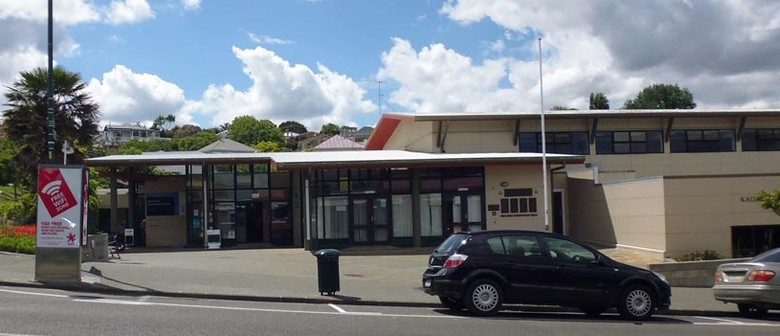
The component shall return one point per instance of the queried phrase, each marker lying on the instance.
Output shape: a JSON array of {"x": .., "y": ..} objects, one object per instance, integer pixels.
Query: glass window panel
[
  {"x": 513, "y": 205},
  {"x": 402, "y": 215},
  {"x": 430, "y": 215},
  {"x": 603, "y": 142},
  {"x": 380, "y": 234},
  {"x": 532, "y": 205},
  {"x": 638, "y": 147},
  {"x": 694, "y": 135},
  {"x": 528, "y": 142},
  {"x": 523, "y": 205},
  {"x": 224, "y": 195},
  {"x": 580, "y": 143},
  {"x": 677, "y": 142},
  {"x": 727, "y": 142},
  {"x": 622, "y": 148},
  {"x": 244, "y": 195},
  {"x": 261, "y": 180},
  {"x": 710, "y": 135},
  {"x": 333, "y": 218},
  {"x": 638, "y": 136},
  {"x": 749, "y": 137},
  {"x": 655, "y": 143},
  {"x": 381, "y": 211},
  {"x": 244, "y": 181},
  {"x": 474, "y": 207},
  {"x": 621, "y": 136}
]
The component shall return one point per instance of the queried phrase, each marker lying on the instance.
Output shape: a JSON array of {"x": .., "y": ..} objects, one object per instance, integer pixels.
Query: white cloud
[
  {"x": 66, "y": 12},
  {"x": 128, "y": 11},
  {"x": 190, "y": 4},
  {"x": 266, "y": 40},
  {"x": 128, "y": 97},
  {"x": 281, "y": 91},
  {"x": 723, "y": 51}
]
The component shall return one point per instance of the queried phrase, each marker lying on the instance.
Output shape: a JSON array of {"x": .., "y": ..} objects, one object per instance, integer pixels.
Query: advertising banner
[{"x": 60, "y": 206}]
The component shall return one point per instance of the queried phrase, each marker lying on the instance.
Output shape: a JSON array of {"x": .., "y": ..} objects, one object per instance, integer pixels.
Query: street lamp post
[
  {"x": 66, "y": 149},
  {"x": 544, "y": 142}
]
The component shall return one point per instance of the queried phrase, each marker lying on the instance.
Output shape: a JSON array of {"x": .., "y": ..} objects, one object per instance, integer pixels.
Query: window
[
  {"x": 563, "y": 250},
  {"x": 518, "y": 202},
  {"x": 760, "y": 140},
  {"x": 697, "y": 141},
  {"x": 629, "y": 142},
  {"x": 557, "y": 142},
  {"x": 515, "y": 245},
  {"x": 748, "y": 241}
]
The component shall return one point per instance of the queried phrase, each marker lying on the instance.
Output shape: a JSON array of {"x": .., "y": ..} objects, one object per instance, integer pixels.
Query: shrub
[
  {"x": 700, "y": 256},
  {"x": 18, "y": 238}
]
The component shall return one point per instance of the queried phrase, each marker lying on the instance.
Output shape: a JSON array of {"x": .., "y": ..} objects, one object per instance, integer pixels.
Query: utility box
[{"x": 328, "y": 271}]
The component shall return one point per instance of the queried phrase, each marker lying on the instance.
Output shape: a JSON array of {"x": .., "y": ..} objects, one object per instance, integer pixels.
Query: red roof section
[{"x": 384, "y": 129}]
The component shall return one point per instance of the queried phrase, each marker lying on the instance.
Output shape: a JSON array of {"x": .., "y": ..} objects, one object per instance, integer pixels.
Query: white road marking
[
  {"x": 727, "y": 322},
  {"x": 268, "y": 310},
  {"x": 33, "y": 293},
  {"x": 337, "y": 308}
]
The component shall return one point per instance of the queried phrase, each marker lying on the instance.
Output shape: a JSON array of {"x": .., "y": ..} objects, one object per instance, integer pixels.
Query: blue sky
[{"x": 208, "y": 61}]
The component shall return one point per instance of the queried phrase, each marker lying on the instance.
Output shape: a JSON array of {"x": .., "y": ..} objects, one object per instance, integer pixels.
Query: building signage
[{"x": 60, "y": 209}]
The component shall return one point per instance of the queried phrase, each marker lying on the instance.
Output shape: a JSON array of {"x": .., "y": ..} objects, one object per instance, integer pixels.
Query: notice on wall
[{"x": 60, "y": 210}]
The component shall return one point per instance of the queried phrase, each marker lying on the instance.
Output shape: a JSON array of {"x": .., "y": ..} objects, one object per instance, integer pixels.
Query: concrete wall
[
  {"x": 629, "y": 214},
  {"x": 691, "y": 273},
  {"x": 700, "y": 211},
  {"x": 516, "y": 176},
  {"x": 166, "y": 231}
]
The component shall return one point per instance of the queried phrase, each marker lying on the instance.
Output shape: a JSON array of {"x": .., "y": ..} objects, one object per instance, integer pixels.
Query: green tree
[
  {"x": 598, "y": 101},
  {"x": 250, "y": 131},
  {"x": 136, "y": 146},
  {"x": 330, "y": 129},
  {"x": 293, "y": 126},
  {"x": 196, "y": 141},
  {"x": 562, "y": 108},
  {"x": 661, "y": 96},
  {"x": 769, "y": 200},
  {"x": 26, "y": 124},
  {"x": 164, "y": 124},
  {"x": 268, "y": 146}
]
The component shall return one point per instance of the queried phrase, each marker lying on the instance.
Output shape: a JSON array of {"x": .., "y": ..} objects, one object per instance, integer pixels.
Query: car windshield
[
  {"x": 452, "y": 243},
  {"x": 768, "y": 256}
]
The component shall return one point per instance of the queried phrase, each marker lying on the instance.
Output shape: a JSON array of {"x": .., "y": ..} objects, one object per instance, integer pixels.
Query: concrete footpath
[{"x": 380, "y": 276}]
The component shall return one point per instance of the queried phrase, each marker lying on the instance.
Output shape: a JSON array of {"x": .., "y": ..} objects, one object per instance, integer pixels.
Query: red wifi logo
[{"x": 54, "y": 191}]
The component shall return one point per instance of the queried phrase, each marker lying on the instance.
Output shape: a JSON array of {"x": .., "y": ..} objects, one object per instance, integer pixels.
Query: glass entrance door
[
  {"x": 370, "y": 218},
  {"x": 463, "y": 212}
]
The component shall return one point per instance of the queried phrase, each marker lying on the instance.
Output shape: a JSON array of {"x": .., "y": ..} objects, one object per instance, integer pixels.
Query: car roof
[{"x": 499, "y": 232}]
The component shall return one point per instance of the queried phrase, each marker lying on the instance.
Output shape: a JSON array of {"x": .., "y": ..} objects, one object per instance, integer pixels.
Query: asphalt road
[{"x": 39, "y": 312}]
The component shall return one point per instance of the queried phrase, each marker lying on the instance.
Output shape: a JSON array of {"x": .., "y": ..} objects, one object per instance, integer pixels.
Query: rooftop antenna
[{"x": 380, "y": 96}]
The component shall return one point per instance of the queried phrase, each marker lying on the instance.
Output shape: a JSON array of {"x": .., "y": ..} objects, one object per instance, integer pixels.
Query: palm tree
[{"x": 25, "y": 124}]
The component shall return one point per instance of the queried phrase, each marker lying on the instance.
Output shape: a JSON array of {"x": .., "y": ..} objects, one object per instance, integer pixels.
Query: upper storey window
[
  {"x": 760, "y": 140},
  {"x": 557, "y": 142},
  {"x": 697, "y": 141},
  {"x": 629, "y": 142}
]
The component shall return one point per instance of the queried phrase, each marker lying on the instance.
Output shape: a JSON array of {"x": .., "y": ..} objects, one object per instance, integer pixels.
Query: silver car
[{"x": 753, "y": 285}]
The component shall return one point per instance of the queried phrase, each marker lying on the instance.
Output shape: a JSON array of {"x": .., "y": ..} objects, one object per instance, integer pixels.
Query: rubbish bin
[{"x": 328, "y": 271}]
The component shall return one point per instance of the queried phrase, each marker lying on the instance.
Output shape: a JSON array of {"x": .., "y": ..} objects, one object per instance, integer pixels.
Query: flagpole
[{"x": 544, "y": 142}]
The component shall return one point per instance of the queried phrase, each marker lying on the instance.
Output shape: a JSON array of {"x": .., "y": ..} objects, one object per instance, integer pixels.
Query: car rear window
[
  {"x": 768, "y": 256},
  {"x": 452, "y": 243}
]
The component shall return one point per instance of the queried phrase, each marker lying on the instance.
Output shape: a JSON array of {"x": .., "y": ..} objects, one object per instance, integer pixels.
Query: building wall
[
  {"x": 497, "y": 178},
  {"x": 629, "y": 214},
  {"x": 413, "y": 136},
  {"x": 478, "y": 137},
  {"x": 166, "y": 231},
  {"x": 701, "y": 211}
]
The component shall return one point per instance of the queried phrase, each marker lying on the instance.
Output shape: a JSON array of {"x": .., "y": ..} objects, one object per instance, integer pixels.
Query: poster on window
[{"x": 60, "y": 206}]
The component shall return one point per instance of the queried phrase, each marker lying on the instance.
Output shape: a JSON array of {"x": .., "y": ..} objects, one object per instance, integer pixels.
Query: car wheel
[
  {"x": 452, "y": 303},
  {"x": 483, "y": 297},
  {"x": 593, "y": 311},
  {"x": 636, "y": 303},
  {"x": 752, "y": 311}
]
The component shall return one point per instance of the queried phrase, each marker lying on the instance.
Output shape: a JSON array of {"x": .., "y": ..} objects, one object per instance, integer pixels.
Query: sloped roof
[
  {"x": 227, "y": 146},
  {"x": 338, "y": 142},
  {"x": 363, "y": 131}
]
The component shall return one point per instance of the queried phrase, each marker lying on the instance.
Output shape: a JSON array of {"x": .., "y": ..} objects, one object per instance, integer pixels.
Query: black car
[{"x": 480, "y": 271}]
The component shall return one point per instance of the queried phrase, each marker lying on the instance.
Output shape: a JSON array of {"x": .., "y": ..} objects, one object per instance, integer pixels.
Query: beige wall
[
  {"x": 629, "y": 214},
  {"x": 413, "y": 136},
  {"x": 519, "y": 176},
  {"x": 701, "y": 211},
  {"x": 167, "y": 230}
]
